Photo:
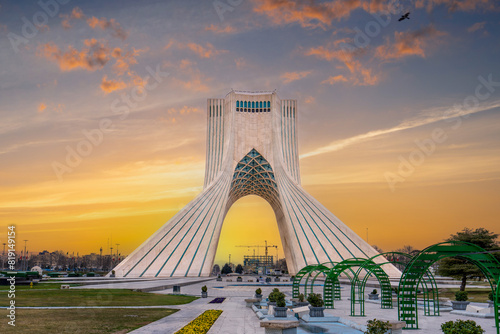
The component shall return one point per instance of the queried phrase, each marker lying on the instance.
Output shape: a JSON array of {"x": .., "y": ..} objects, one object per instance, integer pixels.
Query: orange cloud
[
  {"x": 219, "y": 30},
  {"x": 41, "y": 107},
  {"x": 334, "y": 79},
  {"x": 309, "y": 99},
  {"x": 293, "y": 76},
  {"x": 108, "y": 86},
  {"x": 408, "y": 44},
  {"x": 207, "y": 51},
  {"x": 93, "y": 56},
  {"x": 76, "y": 13},
  {"x": 360, "y": 75},
  {"x": 124, "y": 59},
  {"x": 311, "y": 13},
  {"x": 111, "y": 24},
  {"x": 94, "y": 22}
]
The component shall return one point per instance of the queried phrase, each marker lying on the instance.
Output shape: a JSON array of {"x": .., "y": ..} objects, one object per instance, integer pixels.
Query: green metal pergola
[
  {"x": 345, "y": 267},
  {"x": 428, "y": 284},
  {"x": 414, "y": 271},
  {"x": 307, "y": 272}
]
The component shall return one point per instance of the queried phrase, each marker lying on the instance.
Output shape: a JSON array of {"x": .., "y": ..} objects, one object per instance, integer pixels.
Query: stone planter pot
[
  {"x": 316, "y": 311},
  {"x": 258, "y": 296},
  {"x": 373, "y": 296},
  {"x": 277, "y": 279},
  {"x": 491, "y": 304},
  {"x": 300, "y": 304},
  {"x": 460, "y": 306},
  {"x": 204, "y": 294},
  {"x": 280, "y": 312},
  {"x": 219, "y": 279},
  {"x": 239, "y": 279}
]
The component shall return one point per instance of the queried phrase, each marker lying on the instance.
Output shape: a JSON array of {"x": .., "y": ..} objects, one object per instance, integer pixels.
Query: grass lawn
[
  {"x": 477, "y": 295},
  {"x": 82, "y": 321},
  {"x": 94, "y": 297},
  {"x": 37, "y": 286}
]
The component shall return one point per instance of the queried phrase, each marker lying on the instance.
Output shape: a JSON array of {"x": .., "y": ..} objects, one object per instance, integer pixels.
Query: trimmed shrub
[
  {"x": 204, "y": 288},
  {"x": 461, "y": 327},
  {"x": 258, "y": 291},
  {"x": 315, "y": 300},
  {"x": 377, "y": 326},
  {"x": 301, "y": 297},
  {"x": 461, "y": 296}
]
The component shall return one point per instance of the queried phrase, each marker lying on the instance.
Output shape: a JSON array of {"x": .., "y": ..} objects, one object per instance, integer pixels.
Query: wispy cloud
[
  {"x": 476, "y": 26},
  {"x": 108, "y": 86},
  {"x": 294, "y": 76},
  {"x": 221, "y": 30},
  {"x": 410, "y": 43},
  {"x": 312, "y": 14},
  {"x": 94, "y": 55},
  {"x": 41, "y": 107},
  {"x": 94, "y": 22},
  {"x": 426, "y": 117}
]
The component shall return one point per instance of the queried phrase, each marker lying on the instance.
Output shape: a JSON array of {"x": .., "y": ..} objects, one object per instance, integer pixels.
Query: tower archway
[{"x": 252, "y": 148}]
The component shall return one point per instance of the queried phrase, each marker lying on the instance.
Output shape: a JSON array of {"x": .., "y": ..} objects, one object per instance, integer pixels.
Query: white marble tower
[{"x": 251, "y": 149}]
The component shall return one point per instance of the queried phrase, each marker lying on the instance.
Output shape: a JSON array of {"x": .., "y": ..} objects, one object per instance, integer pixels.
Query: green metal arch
[
  {"x": 413, "y": 273},
  {"x": 428, "y": 285},
  {"x": 321, "y": 270},
  {"x": 340, "y": 268}
]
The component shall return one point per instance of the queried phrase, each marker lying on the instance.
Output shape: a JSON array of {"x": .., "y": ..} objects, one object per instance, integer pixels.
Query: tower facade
[{"x": 251, "y": 150}]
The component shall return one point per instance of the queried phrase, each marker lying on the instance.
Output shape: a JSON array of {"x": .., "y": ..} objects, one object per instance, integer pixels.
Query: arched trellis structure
[
  {"x": 322, "y": 269},
  {"x": 414, "y": 271},
  {"x": 399, "y": 259},
  {"x": 345, "y": 267},
  {"x": 359, "y": 283},
  {"x": 307, "y": 271}
]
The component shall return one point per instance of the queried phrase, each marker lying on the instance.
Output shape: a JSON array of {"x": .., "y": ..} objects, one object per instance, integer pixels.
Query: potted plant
[
  {"x": 258, "y": 293},
  {"x": 219, "y": 278},
  {"x": 239, "y": 279},
  {"x": 491, "y": 302},
  {"x": 316, "y": 308},
  {"x": 280, "y": 308},
  {"x": 373, "y": 295},
  {"x": 377, "y": 327},
  {"x": 276, "y": 279},
  {"x": 302, "y": 301},
  {"x": 204, "y": 291},
  {"x": 461, "y": 326},
  {"x": 460, "y": 302},
  {"x": 273, "y": 297}
]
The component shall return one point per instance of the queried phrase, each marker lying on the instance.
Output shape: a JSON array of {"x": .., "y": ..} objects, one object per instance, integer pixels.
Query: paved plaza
[{"x": 238, "y": 319}]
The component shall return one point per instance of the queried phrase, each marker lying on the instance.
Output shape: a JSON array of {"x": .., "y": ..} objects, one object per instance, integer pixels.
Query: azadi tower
[{"x": 251, "y": 150}]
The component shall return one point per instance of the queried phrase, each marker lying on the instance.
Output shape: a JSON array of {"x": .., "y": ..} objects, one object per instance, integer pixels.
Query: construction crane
[{"x": 265, "y": 247}]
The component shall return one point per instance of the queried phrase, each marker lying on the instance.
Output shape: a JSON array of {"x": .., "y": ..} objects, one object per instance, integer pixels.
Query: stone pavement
[{"x": 238, "y": 319}]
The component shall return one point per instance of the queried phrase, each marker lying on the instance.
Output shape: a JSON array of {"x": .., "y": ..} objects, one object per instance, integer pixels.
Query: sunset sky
[{"x": 132, "y": 78}]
